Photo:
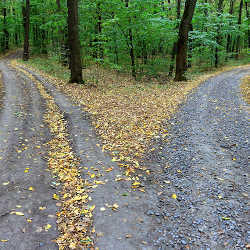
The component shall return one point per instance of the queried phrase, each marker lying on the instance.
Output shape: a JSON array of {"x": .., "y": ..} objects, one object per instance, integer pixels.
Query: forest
[
  {"x": 124, "y": 124},
  {"x": 150, "y": 37}
]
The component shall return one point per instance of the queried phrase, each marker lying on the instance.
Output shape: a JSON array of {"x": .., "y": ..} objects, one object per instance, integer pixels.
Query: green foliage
[{"x": 109, "y": 29}]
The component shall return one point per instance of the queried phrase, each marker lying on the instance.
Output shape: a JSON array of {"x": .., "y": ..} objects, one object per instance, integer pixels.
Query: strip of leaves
[
  {"x": 245, "y": 89},
  {"x": 75, "y": 218}
]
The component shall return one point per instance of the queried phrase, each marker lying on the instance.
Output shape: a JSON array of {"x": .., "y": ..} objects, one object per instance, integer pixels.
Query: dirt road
[{"x": 204, "y": 163}]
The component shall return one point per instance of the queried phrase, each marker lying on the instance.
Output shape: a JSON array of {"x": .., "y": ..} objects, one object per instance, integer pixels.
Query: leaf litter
[{"x": 75, "y": 217}]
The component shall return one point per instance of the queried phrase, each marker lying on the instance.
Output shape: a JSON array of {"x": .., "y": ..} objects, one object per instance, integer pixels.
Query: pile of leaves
[
  {"x": 245, "y": 89},
  {"x": 75, "y": 217}
]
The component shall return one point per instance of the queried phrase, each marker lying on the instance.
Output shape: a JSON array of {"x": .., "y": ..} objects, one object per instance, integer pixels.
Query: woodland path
[
  {"x": 23, "y": 135},
  {"x": 207, "y": 168},
  {"x": 208, "y": 149}
]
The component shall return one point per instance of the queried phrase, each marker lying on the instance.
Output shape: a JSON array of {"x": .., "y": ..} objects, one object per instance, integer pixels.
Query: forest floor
[{"x": 189, "y": 190}]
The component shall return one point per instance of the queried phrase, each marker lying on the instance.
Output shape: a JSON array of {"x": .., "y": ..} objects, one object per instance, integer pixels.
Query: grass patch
[
  {"x": 245, "y": 89},
  {"x": 126, "y": 113}
]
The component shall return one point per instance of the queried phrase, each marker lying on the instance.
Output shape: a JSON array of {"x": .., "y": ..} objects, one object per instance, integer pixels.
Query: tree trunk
[
  {"x": 63, "y": 40},
  {"x": 5, "y": 31},
  {"x": 229, "y": 37},
  {"x": 74, "y": 42},
  {"x": 248, "y": 30},
  {"x": 178, "y": 14},
  {"x": 131, "y": 46},
  {"x": 182, "y": 44},
  {"x": 16, "y": 31},
  {"x": 190, "y": 48},
  {"x": 238, "y": 37},
  {"x": 218, "y": 38},
  {"x": 99, "y": 30},
  {"x": 26, "y": 24}
]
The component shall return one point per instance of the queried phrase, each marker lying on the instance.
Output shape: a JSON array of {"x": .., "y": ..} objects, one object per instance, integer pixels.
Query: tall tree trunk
[
  {"x": 238, "y": 37},
  {"x": 218, "y": 38},
  {"x": 63, "y": 40},
  {"x": 182, "y": 44},
  {"x": 5, "y": 30},
  {"x": 99, "y": 30},
  {"x": 248, "y": 19},
  {"x": 131, "y": 46},
  {"x": 178, "y": 14},
  {"x": 26, "y": 24},
  {"x": 16, "y": 31},
  {"x": 74, "y": 42},
  {"x": 190, "y": 48},
  {"x": 229, "y": 37}
]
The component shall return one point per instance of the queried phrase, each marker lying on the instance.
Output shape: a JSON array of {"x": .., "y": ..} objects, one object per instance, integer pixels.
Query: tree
[
  {"x": 178, "y": 14},
  {"x": 229, "y": 37},
  {"x": 182, "y": 44},
  {"x": 26, "y": 24},
  {"x": 248, "y": 19},
  {"x": 218, "y": 37},
  {"x": 131, "y": 44},
  {"x": 238, "y": 37},
  {"x": 5, "y": 44},
  {"x": 74, "y": 42}
]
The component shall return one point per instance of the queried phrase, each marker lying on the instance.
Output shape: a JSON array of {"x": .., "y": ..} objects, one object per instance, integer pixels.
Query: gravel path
[{"x": 205, "y": 163}]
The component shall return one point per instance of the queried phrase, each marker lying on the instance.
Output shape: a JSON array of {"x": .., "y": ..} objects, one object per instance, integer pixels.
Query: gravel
[{"x": 205, "y": 159}]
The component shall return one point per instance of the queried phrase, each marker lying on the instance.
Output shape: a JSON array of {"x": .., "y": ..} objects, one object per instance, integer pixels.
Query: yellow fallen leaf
[
  {"x": 99, "y": 182},
  {"x": 92, "y": 175},
  {"x": 219, "y": 196},
  {"x": 92, "y": 208},
  {"x": 29, "y": 220},
  {"x": 72, "y": 245},
  {"x": 225, "y": 218},
  {"x": 31, "y": 189},
  {"x": 174, "y": 196},
  {"x": 47, "y": 227},
  {"x": 42, "y": 208},
  {"x": 234, "y": 159},
  {"x": 167, "y": 182},
  {"x": 6, "y": 183},
  {"x": 109, "y": 169},
  {"x": 115, "y": 206},
  {"x": 136, "y": 183},
  {"x": 4, "y": 240},
  {"x": 17, "y": 213},
  {"x": 55, "y": 196}
]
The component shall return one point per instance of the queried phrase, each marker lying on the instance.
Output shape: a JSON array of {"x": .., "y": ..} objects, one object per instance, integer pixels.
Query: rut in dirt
[{"x": 25, "y": 185}]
